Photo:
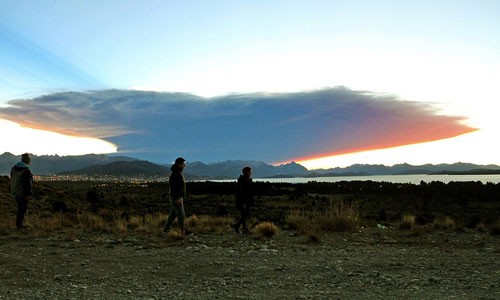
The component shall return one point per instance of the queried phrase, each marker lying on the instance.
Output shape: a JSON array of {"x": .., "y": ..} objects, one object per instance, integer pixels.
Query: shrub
[
  {"x": 192, "y": 221},
  {"x": 407, "y": 222},
  {"x": 266, "y": 229},
  {"x": 446, "y": 223},
  {"x": 175, "y": 235},
  {"x": 299, "y": 220},
  {"x": 340, "y": 218}
]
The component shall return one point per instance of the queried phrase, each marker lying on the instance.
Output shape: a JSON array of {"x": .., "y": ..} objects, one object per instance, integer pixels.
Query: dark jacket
[
  {"x": 21, "y": 180},
  {"x": 244, "y": 192},
  {"x": 177, "y": 183}
]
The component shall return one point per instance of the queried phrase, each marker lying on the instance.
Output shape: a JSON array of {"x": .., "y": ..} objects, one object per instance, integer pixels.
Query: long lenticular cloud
[{"x": 269, "y": 127}]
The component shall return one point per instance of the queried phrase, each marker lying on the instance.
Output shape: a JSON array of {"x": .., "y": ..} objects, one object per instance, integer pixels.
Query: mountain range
[{"x": 101, "y": 165}]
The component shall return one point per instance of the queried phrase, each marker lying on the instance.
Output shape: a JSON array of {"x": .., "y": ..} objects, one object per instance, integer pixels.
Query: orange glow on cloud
[
  {"x": 48, "y": 128},
  {"x": 421, "y": 131}
]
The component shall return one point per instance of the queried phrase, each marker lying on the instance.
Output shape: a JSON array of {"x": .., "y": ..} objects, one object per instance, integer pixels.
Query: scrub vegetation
[{"x": 141, "y": 208}]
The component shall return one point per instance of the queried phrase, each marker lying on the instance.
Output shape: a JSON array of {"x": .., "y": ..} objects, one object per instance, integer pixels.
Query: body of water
[{"x": 415, "y": 179}]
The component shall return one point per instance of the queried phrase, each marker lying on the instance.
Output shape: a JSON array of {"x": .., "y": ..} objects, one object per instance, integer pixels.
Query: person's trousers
[
  {"x": 22, "y": 207},
  {"x": 244, "y": 214},
  {"x": 176, "y": 211}
]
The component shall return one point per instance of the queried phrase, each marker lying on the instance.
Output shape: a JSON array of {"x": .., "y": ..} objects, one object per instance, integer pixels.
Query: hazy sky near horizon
[{"x": 442, "y": 53}]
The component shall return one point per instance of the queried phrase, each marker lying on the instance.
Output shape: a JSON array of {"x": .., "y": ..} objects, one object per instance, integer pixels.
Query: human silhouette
[
  {"x": 177, "y": 193},
  {"x": 21, "y": 185},
  {"x": 243, "y": 199}
]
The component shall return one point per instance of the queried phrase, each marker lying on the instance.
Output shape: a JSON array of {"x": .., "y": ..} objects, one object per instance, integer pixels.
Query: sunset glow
[
  {"x": 19, "y": 140},
  {"x": 460, "y": 149}
]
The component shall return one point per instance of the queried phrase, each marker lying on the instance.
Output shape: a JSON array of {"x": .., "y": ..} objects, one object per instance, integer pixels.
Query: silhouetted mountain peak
[{"x": 93, "y": 164}]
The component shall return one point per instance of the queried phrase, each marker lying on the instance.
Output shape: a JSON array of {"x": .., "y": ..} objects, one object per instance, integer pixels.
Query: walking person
[
  {"x": 177, "y": 193},
  {"x": 244, "y": 199},
  {"x": 21, "y": 185}
]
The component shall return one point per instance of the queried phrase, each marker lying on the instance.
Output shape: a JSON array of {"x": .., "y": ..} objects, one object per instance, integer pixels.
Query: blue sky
[{"x": 443, "y": 53}]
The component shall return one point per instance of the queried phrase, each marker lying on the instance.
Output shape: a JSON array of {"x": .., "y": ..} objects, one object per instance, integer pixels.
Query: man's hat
[{"x": 179, "y": 160}]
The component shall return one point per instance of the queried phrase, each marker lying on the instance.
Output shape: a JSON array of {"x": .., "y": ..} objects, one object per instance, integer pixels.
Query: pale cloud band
[{"x": 18, "y": 139}]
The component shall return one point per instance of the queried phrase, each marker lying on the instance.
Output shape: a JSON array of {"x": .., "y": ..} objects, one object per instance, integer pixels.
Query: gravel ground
[{"x": 369, "y": 264}]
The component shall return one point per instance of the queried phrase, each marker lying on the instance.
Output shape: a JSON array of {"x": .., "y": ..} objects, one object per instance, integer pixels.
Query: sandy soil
[{"x": 367, "y": 264}]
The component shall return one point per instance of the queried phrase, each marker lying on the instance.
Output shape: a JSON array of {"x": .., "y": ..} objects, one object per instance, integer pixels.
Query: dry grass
[
  {"x": 302, "y": 221},
  {"x": 299, "y": 220},
  {"x": 340, "y": 218},
  {"x": 175, "y": 235},
  {"x": 444, "y": 223},
  {"x": 114, "y": 222},
  {"x": 266, "y": 229},
  {"x": 407, "y": 222},
  {"x": 93, "y": 222},
  {"x": 206, "y": 224}
]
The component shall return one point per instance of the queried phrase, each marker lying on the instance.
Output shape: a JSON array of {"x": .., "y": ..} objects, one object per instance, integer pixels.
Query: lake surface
[{"x": 415, "y": 179}]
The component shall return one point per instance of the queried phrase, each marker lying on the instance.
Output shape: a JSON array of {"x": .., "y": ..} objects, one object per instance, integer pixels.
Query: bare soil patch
[{"x": 365, "y": 264}]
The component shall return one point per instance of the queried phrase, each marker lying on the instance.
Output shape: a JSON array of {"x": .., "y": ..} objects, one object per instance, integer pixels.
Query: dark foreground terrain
[
  {"x": 366, "y": 264},
  {"x": 369, "y": 262}
]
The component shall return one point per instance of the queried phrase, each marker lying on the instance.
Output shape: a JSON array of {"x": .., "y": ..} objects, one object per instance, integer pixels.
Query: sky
[{"x": 444, "y": 55}]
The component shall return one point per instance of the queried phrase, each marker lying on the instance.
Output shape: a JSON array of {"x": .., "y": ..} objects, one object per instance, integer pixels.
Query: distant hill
[
  {"x": 195, "y": 170},
  {"x": 232, "y": 169},
  {"x": 53, "y": 164},
  {"x": 401, "y": 169},
  {"x": 469, "y": 172},
  {"x": 122, "y": 168}
]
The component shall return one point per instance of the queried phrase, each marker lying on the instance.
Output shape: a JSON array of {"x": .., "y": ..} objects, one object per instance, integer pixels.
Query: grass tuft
[
  {"x": 175, "y": 235},
  {"x": 407, "y": 222},
  {"x": 444, "y": 223},
  {"x": 341, "y": 218},
  {"x": 205, "y": 224},
  {"x": 266, "y": 229}
]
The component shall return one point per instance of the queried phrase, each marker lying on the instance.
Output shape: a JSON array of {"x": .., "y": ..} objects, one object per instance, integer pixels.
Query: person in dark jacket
[
  {"x": 177, "y": 193},
  {"x": 21, "y": 185},
  {"x": 244, "y": 199}
]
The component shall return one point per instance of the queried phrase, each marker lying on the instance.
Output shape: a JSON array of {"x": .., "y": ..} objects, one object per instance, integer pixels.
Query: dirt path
[{"x": 370, "y": 264}]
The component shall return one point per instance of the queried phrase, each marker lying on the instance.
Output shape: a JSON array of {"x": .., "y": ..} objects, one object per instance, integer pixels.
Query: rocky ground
[{"x": 366, "y": 264}]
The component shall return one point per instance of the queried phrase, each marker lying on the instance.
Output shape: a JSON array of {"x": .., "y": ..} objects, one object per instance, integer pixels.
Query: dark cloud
[{"x": 270, "y": 127}]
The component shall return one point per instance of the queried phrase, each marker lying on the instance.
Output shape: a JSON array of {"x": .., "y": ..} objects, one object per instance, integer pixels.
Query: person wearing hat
[
  {"x": 177, "y": 193},
  {"x": 21, "y": 185},
  {"x": 244, "y": 199}
]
